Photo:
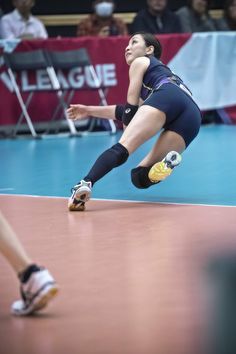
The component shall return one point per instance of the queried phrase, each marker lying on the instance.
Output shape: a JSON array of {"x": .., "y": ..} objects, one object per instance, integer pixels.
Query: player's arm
[
  {"x": 80, "y": 111},
  {"x": 136, "y": 73},
  {"x": 140, "y": 101}
]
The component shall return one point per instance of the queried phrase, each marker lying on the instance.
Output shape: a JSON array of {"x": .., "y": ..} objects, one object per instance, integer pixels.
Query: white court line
[{"x": 124, "y": 201}]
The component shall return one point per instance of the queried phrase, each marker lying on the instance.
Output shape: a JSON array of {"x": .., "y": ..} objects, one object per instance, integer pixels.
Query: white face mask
[{"x": 104, "y": 9}]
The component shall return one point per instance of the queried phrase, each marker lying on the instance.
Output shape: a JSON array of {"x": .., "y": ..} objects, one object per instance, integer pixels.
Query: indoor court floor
[{"x": 135, "y": 269}]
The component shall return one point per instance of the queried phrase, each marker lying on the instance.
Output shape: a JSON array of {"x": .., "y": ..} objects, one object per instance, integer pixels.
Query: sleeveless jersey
[{"x": 154, "y": 76}]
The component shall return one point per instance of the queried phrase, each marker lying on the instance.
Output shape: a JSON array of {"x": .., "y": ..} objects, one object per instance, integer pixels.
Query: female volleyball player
[
  {"x": 37, "y": 284},
  {"x": 166, "y": 103}
]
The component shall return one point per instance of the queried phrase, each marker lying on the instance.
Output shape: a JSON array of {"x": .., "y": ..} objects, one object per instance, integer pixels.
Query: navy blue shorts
[{"x": 182, "y": 113}]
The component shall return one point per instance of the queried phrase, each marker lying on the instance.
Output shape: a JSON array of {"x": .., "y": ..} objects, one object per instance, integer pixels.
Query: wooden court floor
[{"x": 133, "y": 276}]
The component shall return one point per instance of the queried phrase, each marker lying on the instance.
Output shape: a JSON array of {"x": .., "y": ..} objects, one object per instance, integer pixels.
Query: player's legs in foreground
[
  {"x": 144, "y": 125},
  {"x": 160, "y": 161},
  {"x": 37, "y": 285}
]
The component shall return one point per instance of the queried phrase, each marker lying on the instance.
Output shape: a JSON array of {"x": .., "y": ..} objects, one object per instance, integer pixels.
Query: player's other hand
[{"x": 77, "y": 111}]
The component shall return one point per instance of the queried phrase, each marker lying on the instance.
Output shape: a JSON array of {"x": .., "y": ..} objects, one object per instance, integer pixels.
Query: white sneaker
[
  {"x": 161, "y": 170},
  {"x": 36, "y": 293},
  {"x": 80, "y": 194}
]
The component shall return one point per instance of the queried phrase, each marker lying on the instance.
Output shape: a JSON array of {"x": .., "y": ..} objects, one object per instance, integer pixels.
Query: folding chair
[
  {"x": 65, "y": 60},
  {"x": 31, "y": 61}
]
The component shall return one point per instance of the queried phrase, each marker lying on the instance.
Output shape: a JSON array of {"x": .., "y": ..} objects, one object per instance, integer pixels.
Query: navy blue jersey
[
  {"x": 165, "y": 91},
  {"x": 155, "y": 73}
]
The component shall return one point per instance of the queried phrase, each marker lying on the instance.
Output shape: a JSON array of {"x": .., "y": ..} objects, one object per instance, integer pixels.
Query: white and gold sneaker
[
  {"x": 161, "y": 170},
  {"x": 80, "y": 194},
  {"x": 35, "y": 293}
]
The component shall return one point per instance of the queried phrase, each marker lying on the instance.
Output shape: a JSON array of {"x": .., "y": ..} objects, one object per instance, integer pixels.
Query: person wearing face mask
[
  {"x": 102, "y": 22},
  {"x": 21, "y": 24},
  {"x": 195, "y": 17}
]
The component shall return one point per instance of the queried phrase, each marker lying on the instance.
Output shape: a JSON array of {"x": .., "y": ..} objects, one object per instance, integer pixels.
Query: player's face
[{"x": 136, "y": 48}]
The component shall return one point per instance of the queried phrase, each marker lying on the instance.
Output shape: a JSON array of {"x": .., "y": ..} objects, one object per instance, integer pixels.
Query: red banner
[{"x": 107, "y": 56}]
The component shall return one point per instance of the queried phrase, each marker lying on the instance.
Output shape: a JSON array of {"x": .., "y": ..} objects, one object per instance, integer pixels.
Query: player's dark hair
[{"x": 150, "y": 39}]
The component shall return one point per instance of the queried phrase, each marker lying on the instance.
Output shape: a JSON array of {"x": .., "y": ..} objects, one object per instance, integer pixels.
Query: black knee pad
[
  {"x": 120, "y": 152},
  {"x": 139, "y": 177}
]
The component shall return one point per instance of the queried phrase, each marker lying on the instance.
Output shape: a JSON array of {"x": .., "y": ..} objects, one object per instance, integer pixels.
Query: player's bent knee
[
  {"x": 138, "y": 177},
  {"x": 121, "y": 154}
]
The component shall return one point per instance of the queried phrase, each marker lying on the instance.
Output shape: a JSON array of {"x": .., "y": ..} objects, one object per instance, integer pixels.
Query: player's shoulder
[{"x": 141, "y": 62}]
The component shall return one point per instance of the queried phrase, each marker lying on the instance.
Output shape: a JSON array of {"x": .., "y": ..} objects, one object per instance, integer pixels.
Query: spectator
[
  {"x": 1, "y": 13},
  {"x": 156, "y": 18},
  {"x": 21, "y": 24},
  {"x": 195, "y": 17},
  {"x": 228, "y": 21},
  {"x": 102, "y": 22}
]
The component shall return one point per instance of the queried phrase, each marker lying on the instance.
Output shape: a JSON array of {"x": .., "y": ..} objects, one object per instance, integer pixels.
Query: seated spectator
[
  {"x": 228, "y": 21},
  {"x": 21, "y": 24},
  {"x": 1, "y": 13},
  {"x": 195, "y": 17},
  {"x": 156, "y": 18},
  {"x": 102, "y": 22}
]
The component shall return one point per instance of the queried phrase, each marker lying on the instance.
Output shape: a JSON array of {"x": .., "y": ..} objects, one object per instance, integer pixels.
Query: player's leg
[
  {"x": 183, "y": 120},
  {"x": 168, "y": 149},
  {"x": 167, "y": 141},
  {"x": 11, "y": 248},
  {"x": 160, "y": 161},
  {"x": 145, "y": 124},
  {"x": 37, "y": 286}
]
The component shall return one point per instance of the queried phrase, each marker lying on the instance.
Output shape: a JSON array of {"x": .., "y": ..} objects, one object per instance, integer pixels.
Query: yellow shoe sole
[
  {"x": 45, "y": 299},
  {"x": 76, "y": 207},
  {"x": 159, "y": 172}
]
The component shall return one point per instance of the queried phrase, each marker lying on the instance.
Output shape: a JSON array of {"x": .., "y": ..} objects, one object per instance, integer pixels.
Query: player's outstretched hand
[{"x": 77, "y": 111}]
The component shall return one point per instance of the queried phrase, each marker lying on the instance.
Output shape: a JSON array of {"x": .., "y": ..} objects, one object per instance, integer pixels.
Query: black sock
[
  {"x": 109, "y": 159},
  {"x": 25, "y": 274}
]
